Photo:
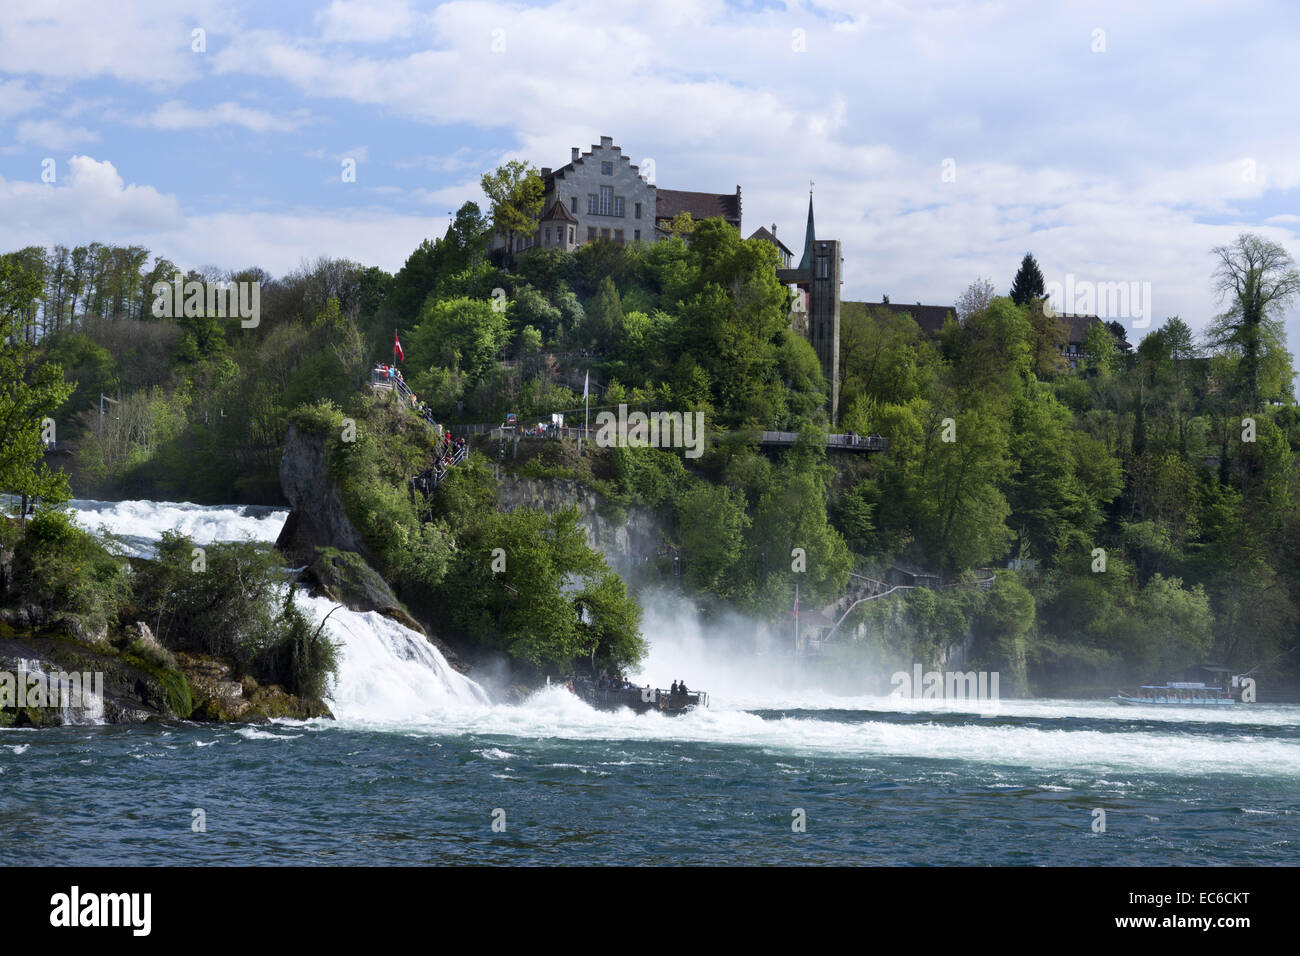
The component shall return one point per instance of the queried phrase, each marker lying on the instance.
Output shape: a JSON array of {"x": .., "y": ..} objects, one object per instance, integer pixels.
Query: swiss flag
[{"x": 397, "y": 348}]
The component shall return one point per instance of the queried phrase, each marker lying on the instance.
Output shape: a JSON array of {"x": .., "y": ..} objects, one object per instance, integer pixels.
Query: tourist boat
[
  {"x": 1180, "y": 694},
  {"x": 610, "y": 695}
]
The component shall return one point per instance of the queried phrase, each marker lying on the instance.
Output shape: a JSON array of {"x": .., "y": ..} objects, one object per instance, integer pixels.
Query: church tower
[{"x": 818, "y": 279}]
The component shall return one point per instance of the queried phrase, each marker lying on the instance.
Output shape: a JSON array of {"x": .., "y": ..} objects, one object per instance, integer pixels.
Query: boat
[
  {"x": 1180, "y": 694},
  {"x": 613, "y": 695}
]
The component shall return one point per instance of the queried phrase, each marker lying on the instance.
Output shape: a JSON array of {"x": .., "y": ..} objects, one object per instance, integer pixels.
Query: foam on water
[
  {"x": 141, "y": 523},
  {"x": 387, "y": 672},
  {"x": 392, "y": 679}
]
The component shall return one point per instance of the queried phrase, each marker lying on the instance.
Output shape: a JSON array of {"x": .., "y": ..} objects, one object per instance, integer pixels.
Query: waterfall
[
  {"x": 79, "y": 696},
  {"x": 387, "y": 671}
]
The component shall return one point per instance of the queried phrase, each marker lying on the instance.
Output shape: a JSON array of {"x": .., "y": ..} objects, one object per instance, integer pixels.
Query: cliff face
[
  {"x": 318, "y": 518},
  {"x": 627, "y": 544}
]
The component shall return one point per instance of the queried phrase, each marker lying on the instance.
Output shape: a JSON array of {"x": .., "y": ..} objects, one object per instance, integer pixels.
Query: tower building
[{"x": 817, "y": 278}]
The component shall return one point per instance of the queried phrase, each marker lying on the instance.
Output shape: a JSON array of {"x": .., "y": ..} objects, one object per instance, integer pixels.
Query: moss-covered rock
[
  {"x": 134, "y": 688},
  {"x": 346, "y": 578},
  {"x": 219, "y": 697}
]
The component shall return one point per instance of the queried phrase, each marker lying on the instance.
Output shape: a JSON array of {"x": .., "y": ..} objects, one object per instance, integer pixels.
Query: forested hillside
[{"x": 1149, "y": 498}]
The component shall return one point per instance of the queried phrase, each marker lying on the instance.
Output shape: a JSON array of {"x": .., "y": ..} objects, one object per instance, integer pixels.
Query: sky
[{"x": 1116, "y": 141}]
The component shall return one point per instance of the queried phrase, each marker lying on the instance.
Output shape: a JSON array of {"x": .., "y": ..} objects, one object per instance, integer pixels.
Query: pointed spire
[{"x": 806, "y": 261}]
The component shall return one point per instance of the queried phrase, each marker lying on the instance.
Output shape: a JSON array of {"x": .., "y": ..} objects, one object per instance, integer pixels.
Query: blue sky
[{"x": 1119, "y": 142}]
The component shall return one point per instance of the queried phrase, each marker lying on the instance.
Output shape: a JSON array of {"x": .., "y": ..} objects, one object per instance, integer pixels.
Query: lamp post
[{"x": 102, "y": 399}]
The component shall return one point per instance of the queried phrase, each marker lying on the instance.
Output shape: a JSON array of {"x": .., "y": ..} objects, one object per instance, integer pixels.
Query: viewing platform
[{"x": 861, "y": 443}]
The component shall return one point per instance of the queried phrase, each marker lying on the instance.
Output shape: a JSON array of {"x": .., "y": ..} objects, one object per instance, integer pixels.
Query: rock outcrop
[
  {"x": 318, "y": 518},
  {"x": 134, "y": 688},
  {"x": 346, "y": 579},
  {"x": 627, "y": 544},
  {"x": 219, "y": 697}
]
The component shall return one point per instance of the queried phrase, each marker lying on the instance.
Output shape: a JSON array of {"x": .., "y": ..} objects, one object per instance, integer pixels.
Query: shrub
[{"x": 64, "y": 570}]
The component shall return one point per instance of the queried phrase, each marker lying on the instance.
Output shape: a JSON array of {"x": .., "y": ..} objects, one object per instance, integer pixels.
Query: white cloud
[
  {"x": 16, "y": 98},
  {"x": 87, "y": 201},
  {"x": 51, "y": 134},
  {"x": 145, "y": 41},
  {"x": 175, "y": 114},
  {"x": 91, "y": 202},
  {"x": 365, "y": 21}
]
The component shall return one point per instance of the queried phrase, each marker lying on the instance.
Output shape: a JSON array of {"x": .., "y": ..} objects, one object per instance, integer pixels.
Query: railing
[{"x": 848, "y": 442}]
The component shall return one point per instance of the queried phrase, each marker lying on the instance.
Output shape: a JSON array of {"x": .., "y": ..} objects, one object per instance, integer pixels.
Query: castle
[{"x": 600, "y": 194}]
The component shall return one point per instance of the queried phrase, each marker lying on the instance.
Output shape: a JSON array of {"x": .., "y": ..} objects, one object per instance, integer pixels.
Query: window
[
  {"x": 573, "y": 204},
  {"x": 636, "y": 235},
  {"x": 618, "y": 206},
  {"x": 571, "y": 234},
  {"x": 637, "y": 210},
  {"x": 591, "y": 233},
  {"x": 823, "y": 267},
  {"x": 591, "y": 205},
  {"x": 606, "y": 200},
  {"x": 604, "y": 233},
  {"x": 618, "y": 236},
  {"x": 607, "y": 169}
]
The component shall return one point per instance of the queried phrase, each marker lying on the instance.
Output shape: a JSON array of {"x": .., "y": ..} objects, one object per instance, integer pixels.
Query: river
[{"x": 421, "y": 767}]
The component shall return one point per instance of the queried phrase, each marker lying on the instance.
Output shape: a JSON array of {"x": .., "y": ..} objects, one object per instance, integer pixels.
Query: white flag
[{"x": 585, "y": 383}]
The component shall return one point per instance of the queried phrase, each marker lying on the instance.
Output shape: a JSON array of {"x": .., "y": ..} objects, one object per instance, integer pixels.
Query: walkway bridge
[{"x": 449, "y": 452}]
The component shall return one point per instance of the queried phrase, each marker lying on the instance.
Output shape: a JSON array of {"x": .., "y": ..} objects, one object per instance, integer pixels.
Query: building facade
[
  {"x": 601, "y": 194},
  {"x": 606, "y": 195}
]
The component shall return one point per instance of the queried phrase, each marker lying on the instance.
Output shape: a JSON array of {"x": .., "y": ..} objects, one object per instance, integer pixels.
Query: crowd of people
[
  {"x": 392, "y": 375},
  {"x": 450, "y": 452},
  {"x": 620, "y": 682}
]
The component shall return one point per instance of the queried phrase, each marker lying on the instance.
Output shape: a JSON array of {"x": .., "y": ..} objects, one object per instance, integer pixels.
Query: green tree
[
  {"x": 30, "y": 391},
  {"x": 464, "y": 334},
  {"x": 713, "y": 522},
  {"x": 516, "y": 193},
  {"x": 1258, "y": 279},
  {"x": 1028, "y": 283}
]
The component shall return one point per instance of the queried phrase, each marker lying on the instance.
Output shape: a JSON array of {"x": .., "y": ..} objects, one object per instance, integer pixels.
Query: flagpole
[
  {"x": 586, "y": 403},
  {"x": 796, "y": 619}
]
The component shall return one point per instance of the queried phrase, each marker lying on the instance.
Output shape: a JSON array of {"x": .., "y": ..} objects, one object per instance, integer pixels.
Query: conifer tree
[{"x": 1028, "y": 284}]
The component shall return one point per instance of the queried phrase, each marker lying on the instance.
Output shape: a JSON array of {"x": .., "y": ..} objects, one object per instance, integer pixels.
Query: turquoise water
[
  {"x": 421, "y": 765},
  {"x": 630, "y": 790}
]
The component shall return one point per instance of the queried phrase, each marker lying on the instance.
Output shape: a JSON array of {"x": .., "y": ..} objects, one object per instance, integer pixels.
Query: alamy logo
[
  {"x": 134, "y": 910},
  {"x": 192, "y": 299},
  {"x": 655, "y": 430},
  {"x": 23, "y": 688},
  {"x": 1106, "y": 300},
  {"x": 950, "y": 688}
]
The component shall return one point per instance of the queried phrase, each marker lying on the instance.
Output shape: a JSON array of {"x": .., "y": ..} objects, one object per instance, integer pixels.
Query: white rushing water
[
  {"x": 140, "y": 524},
  {"x": 387, "y": 672},
  {"x": 393, "y": 679}
]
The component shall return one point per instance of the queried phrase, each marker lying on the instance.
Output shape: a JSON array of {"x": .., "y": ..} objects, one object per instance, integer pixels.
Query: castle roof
[
  {"x": 762, "y": 232},
  {"x": 560, "y": 212},
  {"x": 805, "y": 263},
  {"x": 673, "y": 202}
]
